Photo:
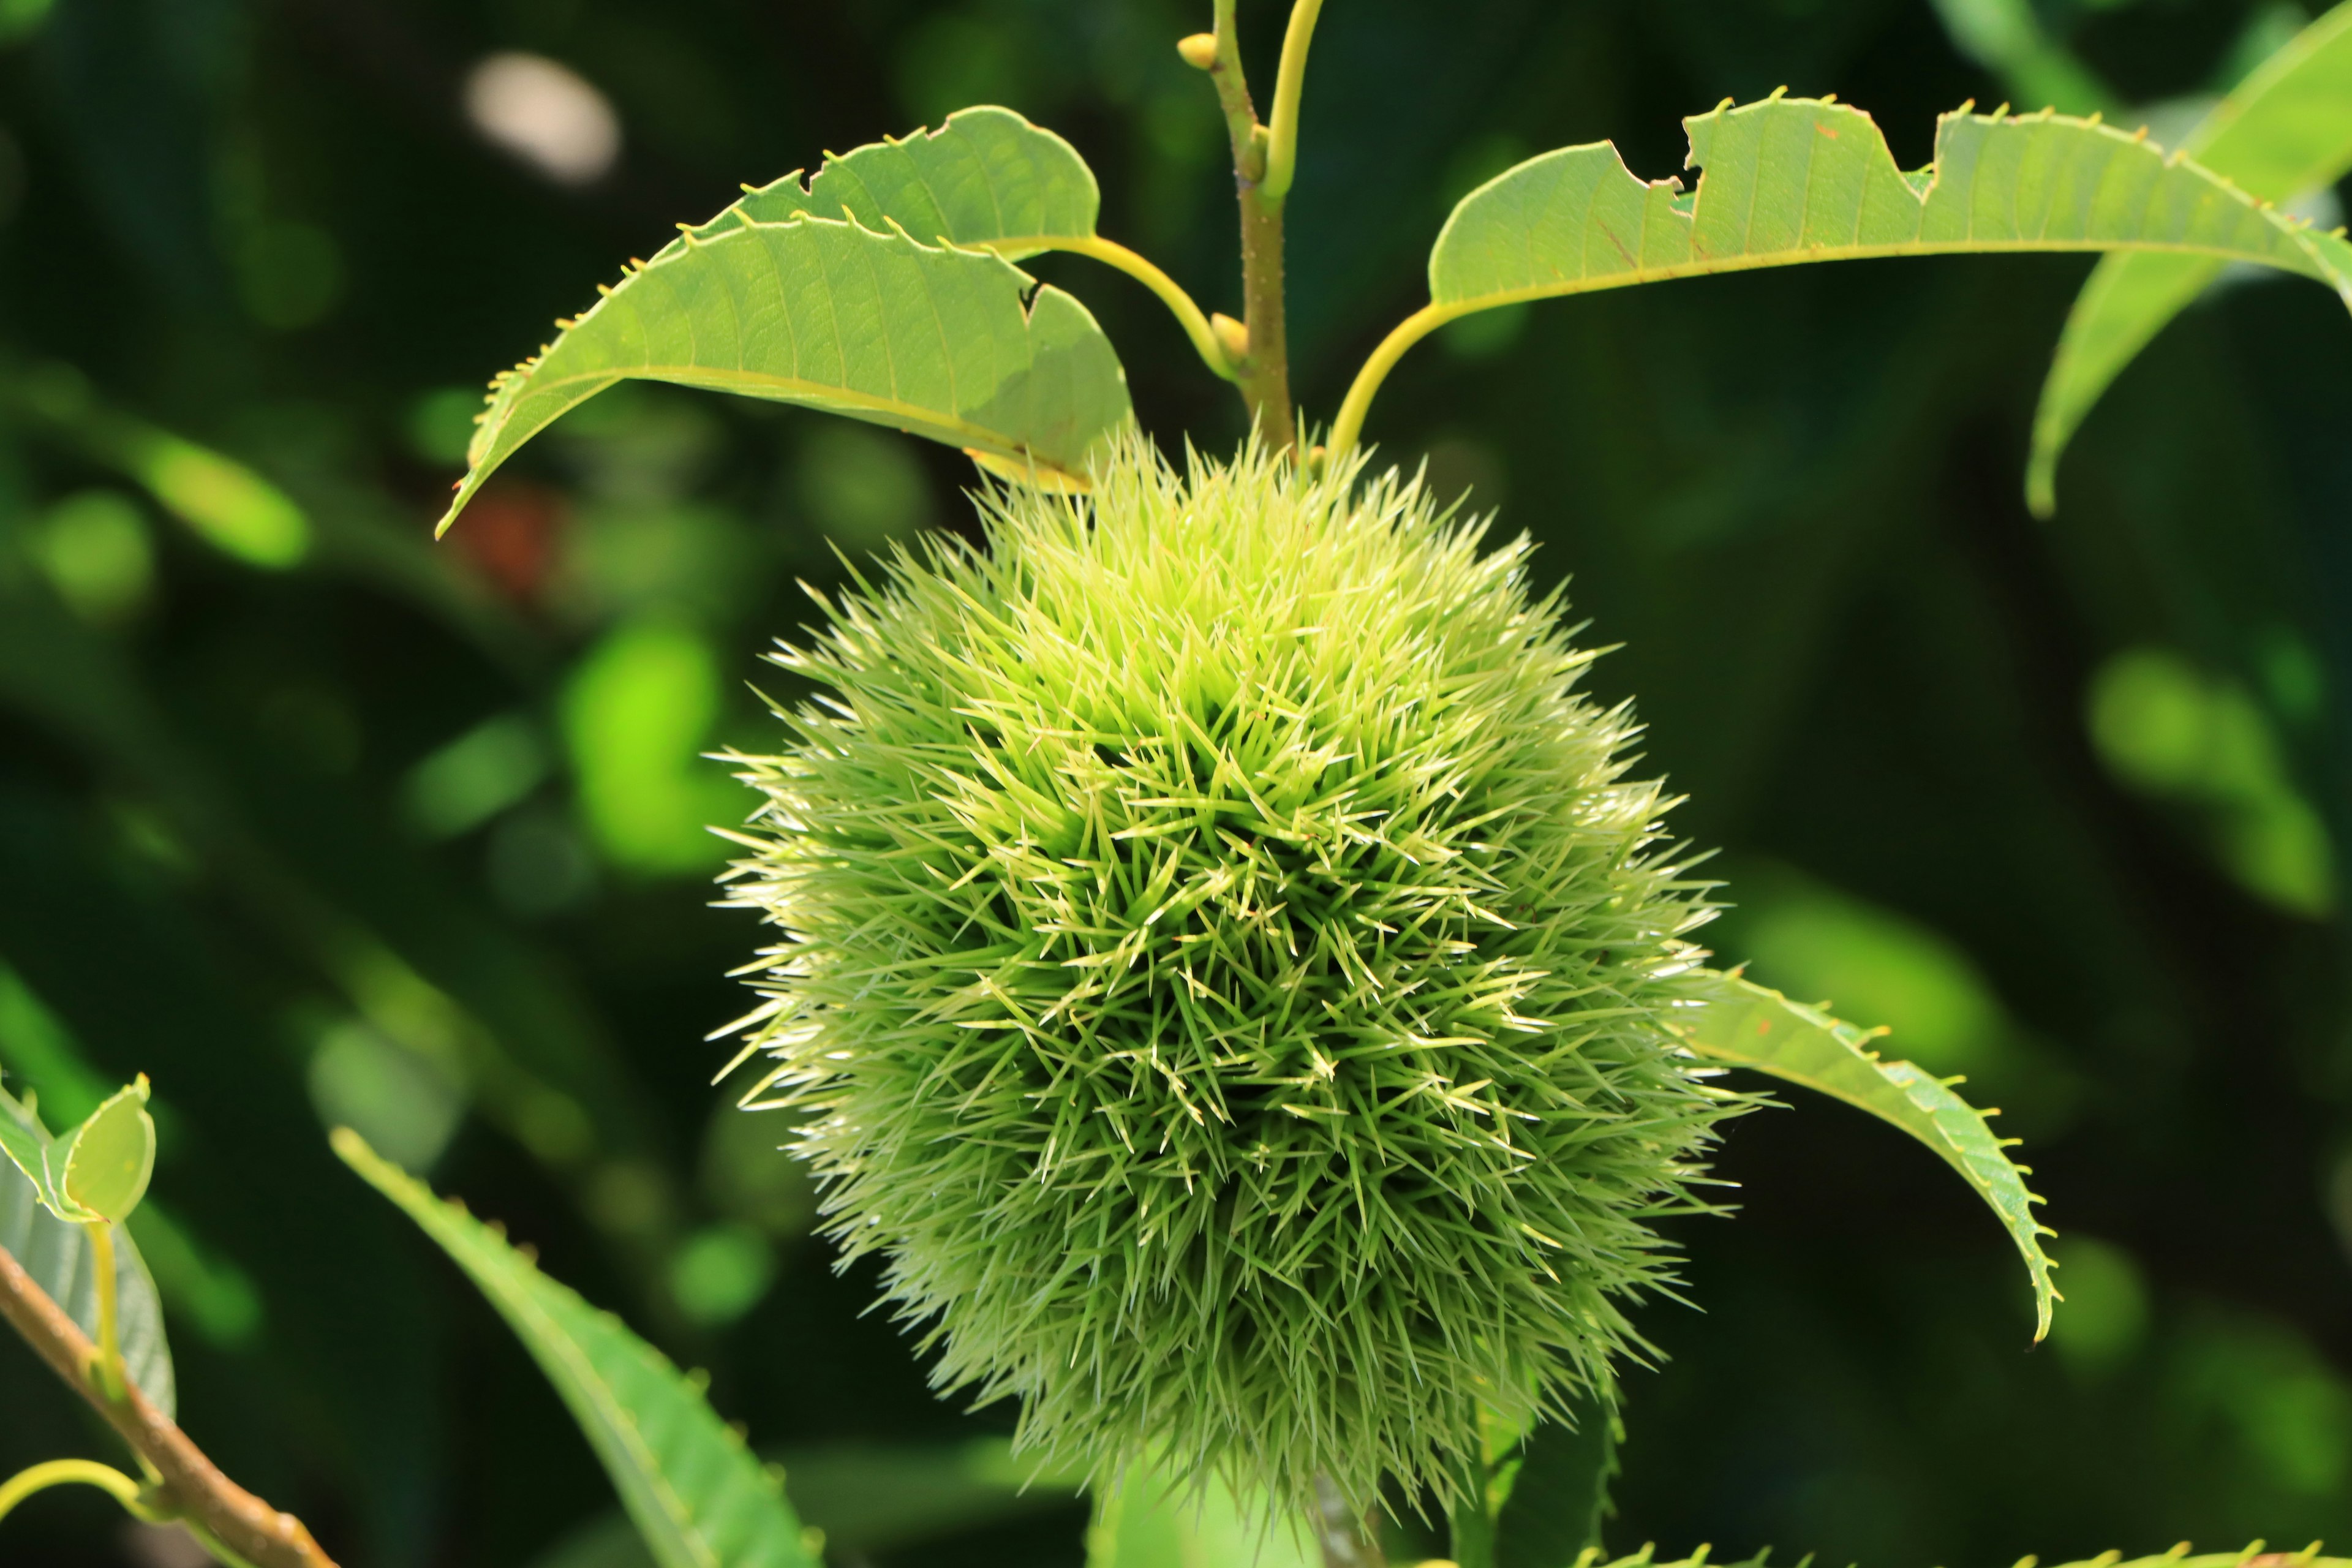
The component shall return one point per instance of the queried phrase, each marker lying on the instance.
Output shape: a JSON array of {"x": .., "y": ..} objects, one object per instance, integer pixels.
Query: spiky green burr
[{"x": 1221, "y": 963}]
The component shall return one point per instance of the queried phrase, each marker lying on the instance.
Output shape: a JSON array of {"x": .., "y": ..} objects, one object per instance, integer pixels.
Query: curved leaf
[
  {"x": 2286, "y": 128},
  {"x": 985, "y": 178},
  {"x": 1795, "y": 179},
  {"x": 57, "y": 1256},
  {"x": 700, "y": 1497},
  {"x": 835, "y": 316},
  {"x": 1750, "y": 1025}
]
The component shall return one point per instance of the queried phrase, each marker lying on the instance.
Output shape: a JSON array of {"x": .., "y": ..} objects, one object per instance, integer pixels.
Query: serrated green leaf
[
  {"x": 108, "y": 1161},
  {"x": 1752, "y": 1025},
  {"x": 2286, "y": 128},
  {"x": 834, "y": 316},
  {"x": 698, "y": 1496},
  {"x": 986, "y": 177},
  {"x": 58, "y": 1255},
  {"x": 1792, "y": 179}
]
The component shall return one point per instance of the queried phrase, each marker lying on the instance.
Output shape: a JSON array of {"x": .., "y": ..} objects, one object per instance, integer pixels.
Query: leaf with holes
[
  {"x": 1750, "y": 1025},
  {"x": 985, "y": 179},
  {"x": 697, "y": 1495},
  {"x": 1791, "y": 180}
]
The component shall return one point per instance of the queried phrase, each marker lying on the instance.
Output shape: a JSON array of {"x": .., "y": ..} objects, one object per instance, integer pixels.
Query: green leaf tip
[
  {"x": 697, "y": 1493},
  {"x": 1216, "y": 938},
  {"x": 903, "y": 311},
  {"x": 1742, "y": 1023}
]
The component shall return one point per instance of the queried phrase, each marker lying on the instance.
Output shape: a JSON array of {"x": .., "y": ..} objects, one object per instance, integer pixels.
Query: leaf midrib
[
  {"x": 1797, "y": 257},
  {"x": 702, "y": 375}
]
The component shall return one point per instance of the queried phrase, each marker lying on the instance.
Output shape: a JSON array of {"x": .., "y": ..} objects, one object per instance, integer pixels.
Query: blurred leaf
[
  {"x": 835, "y": 316},
  {"x": 986, "y": 177},
  {"x": 229, "y": 505},
  {"x": 869, "y": 1497},
  {"x": 223, "y": 502},
  {"x": 1146, "y": 1521},
  {"x": 2164, "y": 727},
  {"x": 2286, "y": 128},
  {"x": 636, "y": 715},
  {"x": 2010, "y": 37},
  {"x": 875, "y": 1497},
  {"x": 1750, "y": 1025},
  {"x": 1560, "y": 1494},
  {"x": 59, "y": 1257},
  {"x": 698, "y": 1496},
  {"x": 475, "y": 776},
  {"x": 721, "y": 1272}
]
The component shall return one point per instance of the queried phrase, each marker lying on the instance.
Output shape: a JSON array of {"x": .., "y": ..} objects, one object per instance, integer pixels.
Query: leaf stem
[
  {"x": 1409, "y": 331},
  {"x": 73, "y": 1472},
  {"x": 1264, "y": 371},
  {"x": 233, "y": 1523},
  {"x": 1289, "y": 83},
  {"x": 1171, "y": 293},
  {"x": 113, "y": 1381}
]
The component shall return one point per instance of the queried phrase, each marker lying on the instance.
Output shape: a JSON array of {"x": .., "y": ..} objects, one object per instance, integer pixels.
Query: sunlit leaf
[
  {"x": 109, "y": 1160},
  {"x": 986, "y": 177},
  {"x": 1798, "y": 180},
  {"x": 2285, "y": 130},
  {"x": 1790, "y": 180},
  {"x": 1752, "y": 1025},
  {"x": 59, "y": 1257},
  {"x": 832, "y": 315},
  {"x": 698, "y": 1496}
]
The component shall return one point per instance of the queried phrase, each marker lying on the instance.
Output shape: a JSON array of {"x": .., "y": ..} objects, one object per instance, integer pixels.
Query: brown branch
[
  {"x": 1265, "y": 370},
  {"x": 193, "y": 1486}
]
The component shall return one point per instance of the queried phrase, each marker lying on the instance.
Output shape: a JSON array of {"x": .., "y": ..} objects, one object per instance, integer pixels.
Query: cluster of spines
[{"x": 1249, "y": 951}]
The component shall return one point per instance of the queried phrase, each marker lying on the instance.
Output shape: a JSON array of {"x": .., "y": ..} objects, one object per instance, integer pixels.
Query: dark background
[{"x": 409, "y": 834}]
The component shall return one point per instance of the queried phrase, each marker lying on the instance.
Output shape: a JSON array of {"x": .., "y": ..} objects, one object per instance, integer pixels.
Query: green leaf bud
[{"x": 1222, "y": 974}]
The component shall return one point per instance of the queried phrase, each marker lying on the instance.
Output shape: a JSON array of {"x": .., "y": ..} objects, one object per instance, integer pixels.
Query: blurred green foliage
[{"x": 311, "y": 819}]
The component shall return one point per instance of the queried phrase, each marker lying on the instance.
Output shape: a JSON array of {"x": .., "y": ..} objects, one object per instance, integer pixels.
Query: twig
[
  {"x": 189, "y": 1485},
  {"x": 1264, "y": 365}
]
